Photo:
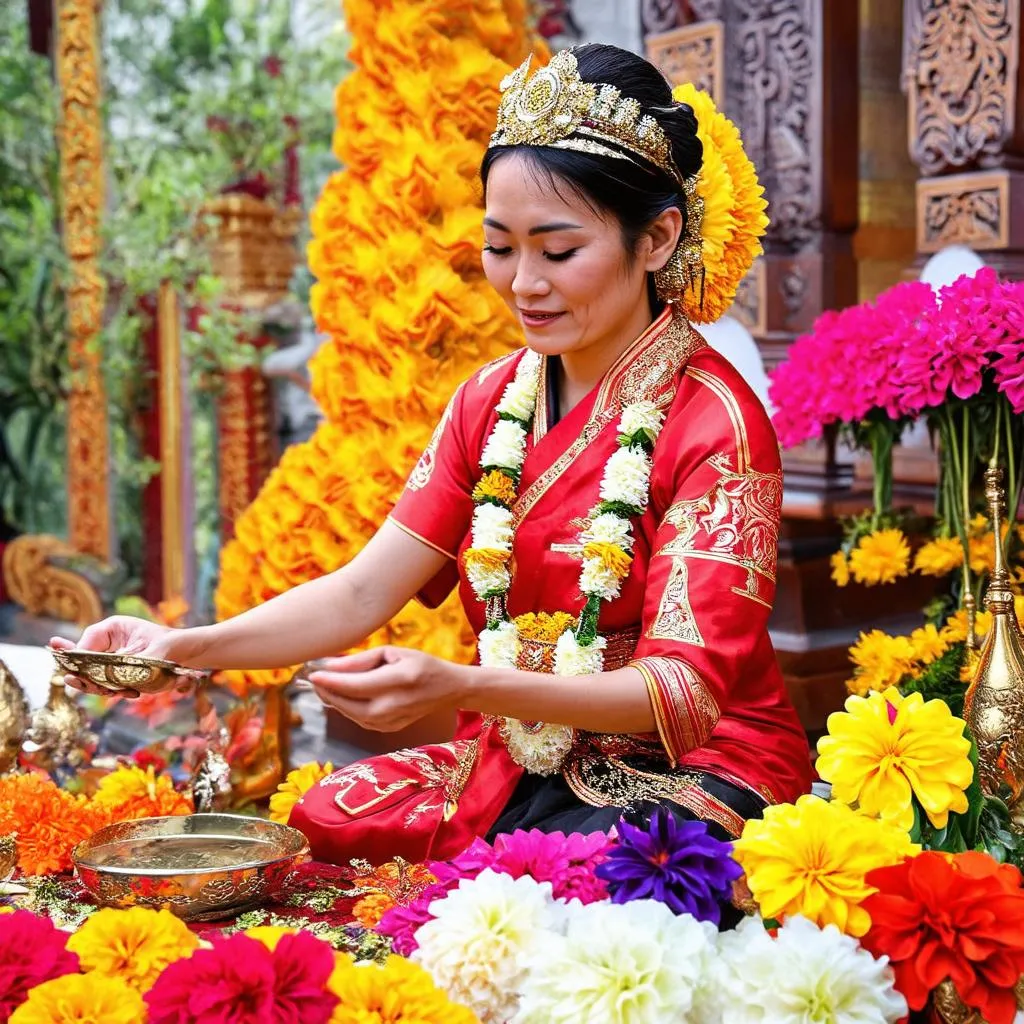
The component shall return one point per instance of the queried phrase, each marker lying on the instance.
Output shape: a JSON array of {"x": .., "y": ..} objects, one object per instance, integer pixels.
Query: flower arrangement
[{"x": 401, "y": 293}]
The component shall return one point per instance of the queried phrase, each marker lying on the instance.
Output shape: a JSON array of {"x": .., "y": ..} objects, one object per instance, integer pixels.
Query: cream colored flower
[
  {"x": 608, "y": 528},
  {"x": 487, "y": 580},
  {"x": 492, "y": 527},
  {"x": 519, "y": 398},
  {"x": 626, "y": 477},
  {"x": 573, "y": 659},
  {"x": 499, "y": 648},
  {"x": 506, "y": 447},
  {"x": 597, "y": 578},
  {"x": 642, "y": 415}
]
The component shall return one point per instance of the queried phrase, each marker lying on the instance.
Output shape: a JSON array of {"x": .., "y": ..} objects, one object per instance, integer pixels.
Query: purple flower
[
  {"x": 402, "y": 923},
  {"x": 674, "y": 862}
]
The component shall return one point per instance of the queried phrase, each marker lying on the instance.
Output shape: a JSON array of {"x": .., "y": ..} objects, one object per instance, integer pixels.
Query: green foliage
[
  {"x": 941, "y": 679},
  {"x": 33, "y": 339}
]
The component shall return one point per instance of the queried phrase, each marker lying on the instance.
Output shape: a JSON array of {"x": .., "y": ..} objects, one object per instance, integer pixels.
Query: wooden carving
[
  {"x": 42, "y": 588},
  {"x": 969, "y": 209},
  {"x": 962, "y": 64},
  {"x": 694, "y": 54}
]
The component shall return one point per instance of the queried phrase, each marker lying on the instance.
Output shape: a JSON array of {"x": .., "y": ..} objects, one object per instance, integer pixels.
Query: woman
[{"x": 607, "y": 499}]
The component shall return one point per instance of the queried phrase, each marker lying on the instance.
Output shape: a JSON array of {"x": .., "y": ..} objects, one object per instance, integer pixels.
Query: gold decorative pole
[
  {"x": 994, "y": 704},
  {"x": 81, "y": 158},
  {"x": 172, "y": 471}
]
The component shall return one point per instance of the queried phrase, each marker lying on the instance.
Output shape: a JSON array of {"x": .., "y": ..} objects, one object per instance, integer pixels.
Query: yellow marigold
[
  {"x": 880, "y": 661},
  {"x": 296, "y": 784},
  {"x": 810, "y": 858},
  {"x": 840, "y": 569},
  {"x": 134, "y": 945},
  {"x": 486, "y": 559},
  {"x": 81, "y": 999},
  {"x": 939, "y": 557},
  {"x": 981, "y": 553},
  {"x": 370, "y": 909},
  {"x": 734, "y": 219},
  {"x": 880, "y": 557},
  {"x": 613, "y": 557},
  {"x": 884, "y": 750},
  {"x": 955, "y": 629},
  {"x": 134, "y": 792},
  {"x": 397, "y": 992},
  {"x": 928, "y": 644},
  {"x": 498, "y": 485},
  {"x": 270, "y": 934},
  {"x": 544, "y": 626}
]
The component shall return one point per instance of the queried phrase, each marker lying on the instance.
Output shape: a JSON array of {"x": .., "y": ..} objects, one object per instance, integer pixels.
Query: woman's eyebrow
[{"x": 540, "y": 229}]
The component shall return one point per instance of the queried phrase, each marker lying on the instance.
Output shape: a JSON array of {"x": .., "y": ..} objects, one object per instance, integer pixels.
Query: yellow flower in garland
[
  {"x": 295, "y": 786},
  {"x": 134, "y": 945},
  {"x": 880, "y": 557},
  {"x": 497, "y": 485},
  {"x": 81, "y": 999},
  {"x": 810, "y": 858},
  {"x": 545, "y": 626},
  {"x": 485, "y": 559},
  {"x": 840, "y": 569},
  {"x": 880, "y": 661},
  {"x": 397, "y": 992},
  {"x": 939, "y": 557},
  {"x": 612, "y": 557},
  {"x": 886, "y": 749}
]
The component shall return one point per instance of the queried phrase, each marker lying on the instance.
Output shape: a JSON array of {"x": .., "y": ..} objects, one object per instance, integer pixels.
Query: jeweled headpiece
[{"x": 555, "y": 107}]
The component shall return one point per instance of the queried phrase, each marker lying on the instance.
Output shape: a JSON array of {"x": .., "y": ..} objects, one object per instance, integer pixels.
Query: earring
[{"x": 670, "y": 281}]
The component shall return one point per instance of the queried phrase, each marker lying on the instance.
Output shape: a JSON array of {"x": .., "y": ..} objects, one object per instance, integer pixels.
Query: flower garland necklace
[{"x": 607, "y": 542}]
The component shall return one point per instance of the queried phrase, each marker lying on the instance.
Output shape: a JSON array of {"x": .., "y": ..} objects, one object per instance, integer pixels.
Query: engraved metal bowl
[
  {"x": 123, "y": 671},
  {"x": 202, "y": 867}
]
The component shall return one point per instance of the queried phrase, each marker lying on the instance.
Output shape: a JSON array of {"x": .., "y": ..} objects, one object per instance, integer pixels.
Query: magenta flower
[
  {"x": 673, "y": 861},
  {"x": 32, "y": 951},
  {"x": 402, "y": 923}
]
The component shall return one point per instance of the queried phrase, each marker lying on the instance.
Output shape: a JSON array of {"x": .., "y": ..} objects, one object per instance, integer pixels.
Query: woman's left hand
[{"x": 387, "y": 688}]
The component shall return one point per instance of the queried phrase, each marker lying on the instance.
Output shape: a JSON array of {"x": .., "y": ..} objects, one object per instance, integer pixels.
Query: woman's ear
[{"x": 664, "y": 234}]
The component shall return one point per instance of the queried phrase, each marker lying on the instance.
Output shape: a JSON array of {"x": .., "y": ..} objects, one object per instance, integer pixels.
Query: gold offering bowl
[
  {"x": 202, "y": 867},
  {"x": 123, "y": 671}
]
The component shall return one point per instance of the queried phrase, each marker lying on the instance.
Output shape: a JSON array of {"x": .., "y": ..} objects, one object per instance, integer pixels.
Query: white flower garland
[{"x": 607, "y": 542}]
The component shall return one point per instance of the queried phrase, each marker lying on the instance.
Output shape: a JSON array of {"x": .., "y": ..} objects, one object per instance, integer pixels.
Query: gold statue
[
  {"x": 994, "y": 704},
  {"x": 59, "y": 735},
  {"x": 8, "y": 856},
  {"x": 13, "y": 719}
]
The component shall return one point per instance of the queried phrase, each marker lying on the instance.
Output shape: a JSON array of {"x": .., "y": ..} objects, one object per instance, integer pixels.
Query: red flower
[
  {"x": 240, "y": 981},
  {"x": 147, "y": 759},
  {"x": 960, "y": 918},
  {"x": 31, "y": 952}
]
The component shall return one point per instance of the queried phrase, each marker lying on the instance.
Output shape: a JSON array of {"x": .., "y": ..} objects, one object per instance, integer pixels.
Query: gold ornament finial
[
  {"x": 13, "y": 719},
  {"x": 59, "y": 736},
  {"x": 994, "y": 703}
]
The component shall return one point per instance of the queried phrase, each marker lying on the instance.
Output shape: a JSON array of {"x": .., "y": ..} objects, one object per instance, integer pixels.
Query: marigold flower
[
  {"x": 134, "y": 945},
  {"x": 544, "y": 626},
  {"x": 928, "y": 644},
  {"x": 497, "y": 485},
  {"x": 295, "y": 786},
  {"x": 133, "y": 792},
  {"x": 611, "y": 555},
  {"x": 811, "y": 858},
  {"x": 880, "y": 557},
  {"x": 370, "y": 909},
  {"x": 81, "y": 999},
  {"x": 885, "y": 749},
  {"x": 486, "y": 559},
  {"x": 939, "y": 557},
  {"x": 880, "y": 661},
  {"x": 955, "y": 629},
  {"x": 960, "y": 917},
  {"x": 840, "y": 569}
]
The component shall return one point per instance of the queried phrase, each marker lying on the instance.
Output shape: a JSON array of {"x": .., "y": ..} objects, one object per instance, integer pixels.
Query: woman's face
[{"x": 561, "y": 267}]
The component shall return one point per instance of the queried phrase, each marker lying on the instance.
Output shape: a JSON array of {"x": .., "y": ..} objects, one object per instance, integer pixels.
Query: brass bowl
[
  {"x": 123, "y": 671},
  {"x": 202, "y": 867}
]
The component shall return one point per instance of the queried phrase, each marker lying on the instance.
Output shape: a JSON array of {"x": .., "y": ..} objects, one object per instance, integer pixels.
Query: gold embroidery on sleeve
[
  {"x": 424, "y": 468},
  {"x": 675, "y": 619}
]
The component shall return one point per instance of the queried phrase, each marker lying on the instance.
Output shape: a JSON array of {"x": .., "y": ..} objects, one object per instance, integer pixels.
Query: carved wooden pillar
[{"x": 965, "y": 97}]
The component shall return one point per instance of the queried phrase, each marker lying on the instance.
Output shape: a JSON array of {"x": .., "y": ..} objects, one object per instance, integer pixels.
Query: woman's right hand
[{"x": 125, "y": 635}]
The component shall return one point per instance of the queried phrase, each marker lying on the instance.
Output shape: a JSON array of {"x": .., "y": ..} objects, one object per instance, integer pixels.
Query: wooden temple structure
[{"x": 883, "y": 132}]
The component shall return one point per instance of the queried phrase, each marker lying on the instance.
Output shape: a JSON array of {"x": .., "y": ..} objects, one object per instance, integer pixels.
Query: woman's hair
[{"x": 634, "y": 193}]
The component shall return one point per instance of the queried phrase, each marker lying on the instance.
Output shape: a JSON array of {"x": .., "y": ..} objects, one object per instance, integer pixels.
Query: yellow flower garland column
[{"x": 400, "y": 292}]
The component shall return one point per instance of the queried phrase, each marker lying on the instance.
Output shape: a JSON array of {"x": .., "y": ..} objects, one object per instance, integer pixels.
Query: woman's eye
[
  {"x": 495, "y": 251},
  {"x": 561, "y": 257}
]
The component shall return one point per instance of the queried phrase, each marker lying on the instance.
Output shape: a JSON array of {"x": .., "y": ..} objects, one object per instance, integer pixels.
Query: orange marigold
[
  {"x": 612, "y": 557},
  {"x": 370, "y": 909},
  {"x": 498, "y": 485}
]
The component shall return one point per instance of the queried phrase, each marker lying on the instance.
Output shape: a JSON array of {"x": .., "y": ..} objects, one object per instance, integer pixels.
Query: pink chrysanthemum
[
  {"x": 1009, "y": 362},
  {"x": 32, "y": 951}
]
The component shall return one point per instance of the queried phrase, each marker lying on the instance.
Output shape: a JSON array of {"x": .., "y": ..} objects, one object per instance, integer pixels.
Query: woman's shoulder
[{"x": 483, "y": 390}]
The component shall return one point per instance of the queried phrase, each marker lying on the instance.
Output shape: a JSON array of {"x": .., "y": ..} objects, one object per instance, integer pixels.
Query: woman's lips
[{"x": 536, "y": 319}]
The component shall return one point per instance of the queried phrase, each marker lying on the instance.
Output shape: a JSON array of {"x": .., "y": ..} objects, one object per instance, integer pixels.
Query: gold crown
[{"x": 555, "y": 107}]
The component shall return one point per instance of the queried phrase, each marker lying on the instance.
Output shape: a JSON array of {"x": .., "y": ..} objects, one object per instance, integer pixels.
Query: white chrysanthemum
[
  {"x": 492, "y": 527},
  {"x": 519, "y": 398},
  {"x": 487, "y": 581},
  {"x": 642, "y": 415},
  {"x": 476, "y": 945},
  {"x": 499, "y": 648},
  {"x": 632, "y": 963},
  {"x": 573, "y": 659},
  {"x": 608, "y": 528},
  {"x": 627, "y": 476},
  {"x": 506, "y": 447},
  {"x": 807, "y": 973},
  {"x": 597, "y": 578}
]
